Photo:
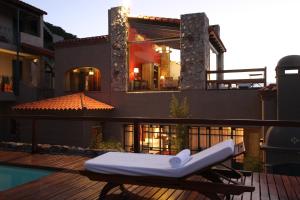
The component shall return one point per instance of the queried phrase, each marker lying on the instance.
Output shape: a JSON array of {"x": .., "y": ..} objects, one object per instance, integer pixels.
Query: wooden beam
[
  {"x": 141, "y": 120},
  {"x": 136, "y": 137}
]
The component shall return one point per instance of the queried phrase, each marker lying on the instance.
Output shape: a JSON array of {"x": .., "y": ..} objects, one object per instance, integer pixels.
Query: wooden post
[
  {"x": 33, "y": 137},
  {"x": 136, "y": 137}
]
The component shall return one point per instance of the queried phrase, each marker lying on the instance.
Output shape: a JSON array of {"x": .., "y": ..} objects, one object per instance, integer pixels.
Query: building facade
[
  {"x": 26, "y": 66},
  {"x": 142, "y": 63},
  {"x": 137, "y": 68}
]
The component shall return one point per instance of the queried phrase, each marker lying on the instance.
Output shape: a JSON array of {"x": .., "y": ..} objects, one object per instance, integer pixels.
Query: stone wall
[
  {"x": 195, "y": 50},
  {"x": 118, "y": 31}
]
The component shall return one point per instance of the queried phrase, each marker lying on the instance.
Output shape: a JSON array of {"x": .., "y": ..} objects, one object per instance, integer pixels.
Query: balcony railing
[
  {"x": 236, "y": 79},
  {"x": 6, "y": 84}
]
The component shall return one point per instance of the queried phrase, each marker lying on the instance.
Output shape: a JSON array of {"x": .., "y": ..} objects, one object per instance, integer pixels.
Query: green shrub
[{"x": 180, "y": 110}]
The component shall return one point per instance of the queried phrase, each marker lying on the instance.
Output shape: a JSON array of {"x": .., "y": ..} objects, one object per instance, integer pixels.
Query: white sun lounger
[
  {"x": 155, "y": 170},
  {"x": 138, "y": 164}
]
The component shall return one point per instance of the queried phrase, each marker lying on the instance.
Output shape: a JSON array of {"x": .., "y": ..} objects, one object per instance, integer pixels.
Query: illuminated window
[
  {"x": 154, "y": 57},
  {"x": 83, "y": 79},
  {"x": 160, "y": 139}
]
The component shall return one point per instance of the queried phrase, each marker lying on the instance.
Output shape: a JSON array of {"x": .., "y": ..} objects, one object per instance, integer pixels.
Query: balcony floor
[{"x": 67, "y": 184}]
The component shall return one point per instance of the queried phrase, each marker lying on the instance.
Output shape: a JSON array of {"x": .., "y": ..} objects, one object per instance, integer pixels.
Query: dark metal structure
[{"x": 282, "y": 144}]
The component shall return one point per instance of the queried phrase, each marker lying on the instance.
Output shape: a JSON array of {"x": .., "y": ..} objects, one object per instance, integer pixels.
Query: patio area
[{"x": 68, "y": 184}]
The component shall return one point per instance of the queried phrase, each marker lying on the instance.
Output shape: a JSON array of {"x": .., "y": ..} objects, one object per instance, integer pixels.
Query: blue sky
[{"x": 256, "y": 33}]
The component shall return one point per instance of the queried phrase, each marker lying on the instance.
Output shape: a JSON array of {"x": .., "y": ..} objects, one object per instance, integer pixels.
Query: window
[
  {"x": 154, "y": 58},
  {"x": 160, "y": 139},
  {"x": 30, "y": 24},
  {"x": 83, "y": 79}
]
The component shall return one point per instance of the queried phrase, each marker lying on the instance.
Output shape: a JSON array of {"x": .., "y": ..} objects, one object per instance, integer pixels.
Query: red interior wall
[{"x": 140, "y": 53}]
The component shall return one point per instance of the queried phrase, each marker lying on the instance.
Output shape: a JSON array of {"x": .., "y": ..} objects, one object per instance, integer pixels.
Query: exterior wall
[
  {"x": 244, "y": 104},
  {"x": 195, "y": 50},
  {"x": 49, "y": 133},
  {"x": 32, "y": 39},
  {"x": 97, "y": 55}
]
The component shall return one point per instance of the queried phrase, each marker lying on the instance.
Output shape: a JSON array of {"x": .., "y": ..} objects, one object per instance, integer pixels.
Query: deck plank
[
  {"x": 289, "y": 187},
  {"x": 69, "y": 184},
  {"x": 272, "y": 187},
  {"x": 255, "y": 183},
  {"x": 264, "y": 192},
  {"x": 280, "y": 187},
  {"x": 296, "y": 185}
]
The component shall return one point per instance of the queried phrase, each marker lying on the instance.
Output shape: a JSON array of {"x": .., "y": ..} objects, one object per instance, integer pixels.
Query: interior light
[
  {"x": 291, "y": 71},
  {"x": 91, "y": 72},
  {"x": 136, "y": 70},
  {"x": 35, "y": 60},
  {"x": 162, "y": 77},
  {"x": 75, "y": 70},
  {"x": 158, "y": 50}
]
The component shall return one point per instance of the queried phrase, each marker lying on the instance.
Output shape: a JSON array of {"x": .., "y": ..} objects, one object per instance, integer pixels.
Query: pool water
[{"x": 11, "y": 176}]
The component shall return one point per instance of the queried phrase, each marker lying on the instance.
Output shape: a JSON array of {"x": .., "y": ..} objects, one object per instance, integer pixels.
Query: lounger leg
[{"x": 106, "y": 189}]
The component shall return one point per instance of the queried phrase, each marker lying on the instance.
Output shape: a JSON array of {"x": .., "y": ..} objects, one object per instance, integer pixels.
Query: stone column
[
  {"x": 219, "y": 55},
  {"x": 220, "y": 65},
  {"x": 118, "y": 32},
  {"x": 195, "y": 50}
]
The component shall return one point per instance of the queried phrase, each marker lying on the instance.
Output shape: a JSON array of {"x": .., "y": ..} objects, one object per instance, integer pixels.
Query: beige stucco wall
[{"x": 97, "y": 55}]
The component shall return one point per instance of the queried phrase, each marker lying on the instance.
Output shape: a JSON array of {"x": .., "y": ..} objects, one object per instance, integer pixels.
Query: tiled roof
[
  {"x": 81, "y": 41},
  {"x": 78, "y": 101}
]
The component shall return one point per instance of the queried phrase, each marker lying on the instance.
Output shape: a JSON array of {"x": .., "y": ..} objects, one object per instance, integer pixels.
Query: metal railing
[{"x": 252, "y": 79}]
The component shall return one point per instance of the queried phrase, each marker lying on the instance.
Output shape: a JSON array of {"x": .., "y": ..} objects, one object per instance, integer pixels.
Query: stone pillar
[
  {"x": 118, "y": 32},
  {"x": 219, "y": 55},
  {"x": 220, "y": 65},
  {"x": 195, "y": 50}
]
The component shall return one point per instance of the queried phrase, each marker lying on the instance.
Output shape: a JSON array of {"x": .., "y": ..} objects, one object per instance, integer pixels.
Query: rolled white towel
[{"x": 181, "y": 158}]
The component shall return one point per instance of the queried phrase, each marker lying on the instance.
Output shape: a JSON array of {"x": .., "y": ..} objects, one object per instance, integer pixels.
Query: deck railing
[
  {"x": 137, "y": 121},
  {"x": 243, "y": 79}
]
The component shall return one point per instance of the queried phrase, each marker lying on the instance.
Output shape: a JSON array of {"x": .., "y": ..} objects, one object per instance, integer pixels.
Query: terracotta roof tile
[{"x": 78, "y": 101}]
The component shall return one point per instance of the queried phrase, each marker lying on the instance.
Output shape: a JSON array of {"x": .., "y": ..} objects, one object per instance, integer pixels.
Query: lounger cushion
[{"x": 138, "y": 164}]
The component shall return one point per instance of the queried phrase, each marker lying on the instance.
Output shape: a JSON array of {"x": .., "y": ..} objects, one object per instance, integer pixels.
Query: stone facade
[
  {"x": 195, "y": 50},
  {"x": 118, "y": 31}
]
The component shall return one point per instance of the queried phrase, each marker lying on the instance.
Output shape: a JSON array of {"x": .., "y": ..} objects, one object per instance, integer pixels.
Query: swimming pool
[{"x": 12, "y": 176}]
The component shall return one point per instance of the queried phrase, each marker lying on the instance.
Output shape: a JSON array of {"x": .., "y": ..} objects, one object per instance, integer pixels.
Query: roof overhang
[
  {"x": 28, "y": 48},
  {"x": 24, "y": 6}
]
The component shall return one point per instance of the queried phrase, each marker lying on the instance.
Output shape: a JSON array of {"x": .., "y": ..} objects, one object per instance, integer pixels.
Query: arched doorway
[{"x": 83, "y": 79}]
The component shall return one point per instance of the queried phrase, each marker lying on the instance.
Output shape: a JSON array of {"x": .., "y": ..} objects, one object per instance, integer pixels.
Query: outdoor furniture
[{"x": 118, "y": 169}]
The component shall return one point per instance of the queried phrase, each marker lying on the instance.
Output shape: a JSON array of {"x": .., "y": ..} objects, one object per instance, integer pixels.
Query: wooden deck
[{"x": 68, "y": 184}]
